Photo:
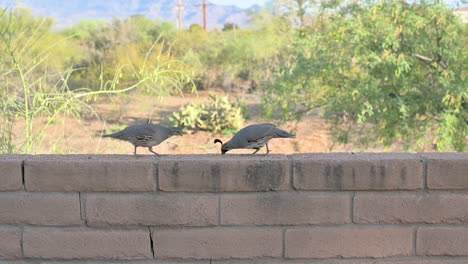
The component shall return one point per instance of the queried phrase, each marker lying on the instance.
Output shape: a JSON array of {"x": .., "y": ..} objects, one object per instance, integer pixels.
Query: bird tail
[{"x": 115, "y": 135}]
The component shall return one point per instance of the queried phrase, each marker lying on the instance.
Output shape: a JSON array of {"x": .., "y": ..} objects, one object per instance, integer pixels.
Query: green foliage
[
  {"x": 220, "y": 115},
  {"x": 382, "y": 72},
  {"x": 20, "y": 28},
  {"x": 230, "y": 26},
  {"x": 229, "y": 58},
  {"x": 35, "y": 79},
  {"x": 133, "y": 47}
]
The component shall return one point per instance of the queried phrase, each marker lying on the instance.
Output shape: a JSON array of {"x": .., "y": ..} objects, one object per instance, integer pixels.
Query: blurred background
[{"x": 385, "y": 75}]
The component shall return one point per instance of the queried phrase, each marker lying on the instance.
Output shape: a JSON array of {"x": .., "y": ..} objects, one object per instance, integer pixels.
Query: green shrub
[
  {"x": 220, "y": 115},
  {"x": 383, "y": 73},
  {"x": 35, "y": 72}
]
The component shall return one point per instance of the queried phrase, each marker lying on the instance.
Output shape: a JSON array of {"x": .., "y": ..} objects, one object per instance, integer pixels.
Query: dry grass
[{"x": 69, "y": 136}]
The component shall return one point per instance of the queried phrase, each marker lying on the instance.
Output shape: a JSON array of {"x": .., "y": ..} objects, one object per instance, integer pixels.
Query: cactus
[{"x": 219, "y": 115}]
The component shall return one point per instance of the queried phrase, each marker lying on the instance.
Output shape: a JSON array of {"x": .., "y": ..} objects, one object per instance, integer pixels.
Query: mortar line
[
  {"x": 23, "y": 182},
  {"x": 22, "y": 242},
  {"x": 83, "y": 215},
  {"x": 81, "y": 206},
  {"x": 353, "y": 195},
  {"x": 424, "y": 161},
  {"x": 156, "y": 176},
  {"x": 283, "y": 242},
  {"x": 415, "y": 240},
  {"x": 151, "y": 242},
  {"x": 219, "y": 210},
  {"x": 241, "y": 227},
  {"x": 212, "y": 193},
  {"x": 291, "y": 173}
]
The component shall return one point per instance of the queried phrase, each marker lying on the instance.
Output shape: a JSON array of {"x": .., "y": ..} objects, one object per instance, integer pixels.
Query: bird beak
[{"x": 223, "y": 151}]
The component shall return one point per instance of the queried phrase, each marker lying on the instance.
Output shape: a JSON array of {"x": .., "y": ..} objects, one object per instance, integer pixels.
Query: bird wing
[
  {"x": 150, "y": 133},
  {"x": 255, "y": 132},
  {"x": 140, "y": 131}
]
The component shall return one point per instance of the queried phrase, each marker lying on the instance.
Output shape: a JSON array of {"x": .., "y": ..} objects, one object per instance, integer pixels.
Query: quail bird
[
  {"x": 146, "y": 135},
  {"x": 253, "y": 137}
]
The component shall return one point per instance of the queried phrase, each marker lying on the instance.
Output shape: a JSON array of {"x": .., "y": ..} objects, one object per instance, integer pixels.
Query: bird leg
[
  {"x": 151, "y": 150},
  {"x": 257, "y": 149},
  {"x": 268, "y": 150},
  {"x": 134, "y": 152}
]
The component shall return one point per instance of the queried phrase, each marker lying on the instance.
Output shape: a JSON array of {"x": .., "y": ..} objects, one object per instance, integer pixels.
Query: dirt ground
[{"x": 68, "y": 136}]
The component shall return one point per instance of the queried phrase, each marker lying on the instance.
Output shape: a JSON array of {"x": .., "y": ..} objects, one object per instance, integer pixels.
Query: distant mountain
[{"x": 67, "y": 13}]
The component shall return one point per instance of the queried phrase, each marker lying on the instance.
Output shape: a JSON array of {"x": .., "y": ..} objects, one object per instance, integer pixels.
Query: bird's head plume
[{"x": 224, "y": 147}]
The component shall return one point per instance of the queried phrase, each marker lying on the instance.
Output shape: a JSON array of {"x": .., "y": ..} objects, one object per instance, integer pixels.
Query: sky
[
  {"x": 249, "y": 3},
  {"x": 239, "y": 3}
]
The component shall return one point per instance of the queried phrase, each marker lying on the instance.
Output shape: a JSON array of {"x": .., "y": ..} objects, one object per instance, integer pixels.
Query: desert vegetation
[{"x": 377, "y": 74}]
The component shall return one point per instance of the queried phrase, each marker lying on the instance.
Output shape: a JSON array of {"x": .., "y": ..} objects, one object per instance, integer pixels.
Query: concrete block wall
[{"x": 384, "y": 208}]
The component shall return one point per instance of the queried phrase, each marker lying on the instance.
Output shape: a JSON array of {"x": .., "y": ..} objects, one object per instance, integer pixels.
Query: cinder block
[
  {"x": 363, "y": 171},
  {"x": 86, "y": 244},
  {"x": 151, "y": 209},
  {"x": 398, "y": 208},
  {"x": 37, "y": 261},
  {"x": 442, "y": 241},
  {"x": 375, "y": 242},
  {"x": 447, "y": 170},
  {"x": 405, "y": 260},
  {"x": 216, "y": 173},
  {"x": 10, "y": 243},
  {"x": 11, "y": 178},
  {"x": 49, "y": 209},
  {"x": 217, "y": 244},
  {"x": 96, "y": 174},
  {"x": 285, "y": 208}
]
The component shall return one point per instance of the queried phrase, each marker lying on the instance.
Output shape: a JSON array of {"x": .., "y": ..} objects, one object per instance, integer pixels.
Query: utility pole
[
  {"x": 204, "y": 15},
  {"x": 180, "y": 7}
]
